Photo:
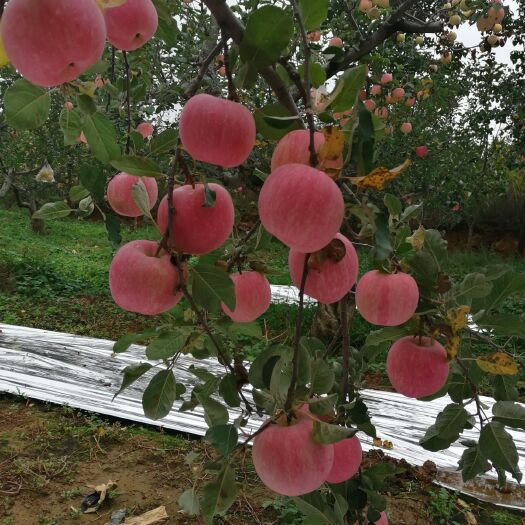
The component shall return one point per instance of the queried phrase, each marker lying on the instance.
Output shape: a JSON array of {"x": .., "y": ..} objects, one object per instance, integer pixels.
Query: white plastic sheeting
[{"x": 83, "y": 373}]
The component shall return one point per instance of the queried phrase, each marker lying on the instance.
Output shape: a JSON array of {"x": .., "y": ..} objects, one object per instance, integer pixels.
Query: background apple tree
[{"x": 394, "y": 119}]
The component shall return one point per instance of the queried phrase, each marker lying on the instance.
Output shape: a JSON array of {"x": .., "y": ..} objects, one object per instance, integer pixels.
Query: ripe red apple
[
  {"x": 53, "y": 41},
  {"x": 120, "y": 197},
  {"x": 348, "y": 455},
  {"x": 381, "y": 112},
  {"x": 332, "y": 280},
  {"x": 287, "y": 459},
  {"x": 142, "y": 282},
  {"x": 302, "y": 206},
  {"x": 145, "y": 129},
  {"x": 217, "y": 131},
  {"x": 398, "y": 93},
  {"x": 252, "y": 297},
  {"x": 417, "y": 367},
  {"x": 375, "y": 89},
  {"x": 410, "y": 101},
  {"x": 370, "y": 104},
  {"x": 386, "y": 299},
  {"x": 132, "y": 24},
  {"x": 406, "y": 127},
  {"x": 386, "y": 78},
  {"x": 293, "y": 148},
  {"x": 198, "y": 229},
  {"x": 335, "y": 42},
  {"x": 421, "y": 151}
]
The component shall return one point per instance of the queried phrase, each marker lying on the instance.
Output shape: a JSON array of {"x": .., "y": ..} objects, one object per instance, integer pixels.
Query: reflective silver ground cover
[{"x": 82, "y": 372}]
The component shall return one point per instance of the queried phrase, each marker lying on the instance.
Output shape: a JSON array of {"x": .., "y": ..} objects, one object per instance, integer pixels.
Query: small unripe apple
[
  {"x": 492, "y": 40},
  {"x": 452, "y": 36},
  {"x": 68, "y": 105},
  {"x": 53, "y": 41},
  {"x": 365, "y": 5},
  {"x": 421, "y": 151},
  {"x": 389, "y": 130},
  {"x": 454, "y": 20},
  {"x": 417, "y": 366},
  {"x": 335, "y": 42},
  {"x": 386, "y": 78},
  {"x": 387, "y": 299},
  {"x": 410, "y": 101},
  {"x": 145, "y": 129},
  {"x": 131, "y": 24},
  {"x": 252, "y": 297},
  {"x": 197, "y": 228},
  {"x": 446, "y": 58},
  {"x": 463, "y": 5},
  {"x": 406, "y": 127},
  {"x": 448, "y": 5},
  {"x": 287, "y": 459},
  {"x": 381, "y": 3},
  {"x": 375, "y": 89},
  {"x": 222, "y": 71},
  {"x": 332, "y": 280},
  {"x": 419, "y": 40},
  {"x": 348, "y": 455},
  {"x": 433, "y": 68},
  {"x": 373, "y": 13},
  {"x": 143, "y": 281},
  {"x": 400, "y": 37},
  {"x": 120, "y": 197},
  {"x": 302, "y": 206},
  {"x": 217, "y": 131},
  {"x": 498, "y": 28}
]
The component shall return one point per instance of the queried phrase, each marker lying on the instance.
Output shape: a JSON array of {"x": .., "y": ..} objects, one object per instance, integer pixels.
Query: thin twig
[
  {"x": 128, "y": 100},
  {"x": 346, "y": 326},
  {"x": 242, "y": 243},
  {"x": 232, "y": 92},
  {"x": 204, "y": 67},
  {"x": 298, "y": 329}
]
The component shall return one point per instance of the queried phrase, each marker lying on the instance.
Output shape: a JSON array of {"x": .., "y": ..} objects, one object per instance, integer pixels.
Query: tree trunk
[
  {"x": 521, "y": 240},
  {"x": 37, "y": 225}
]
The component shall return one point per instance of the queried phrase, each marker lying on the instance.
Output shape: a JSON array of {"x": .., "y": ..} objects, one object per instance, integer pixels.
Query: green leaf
[
  {"x": 215, "y": 413},
  {"x": 189, "y": 502},
  {"x": 52, "y": 210},
  {"x": 160, "y": 394},
  {"x": 166, "y": 345},
  {"x": 112, "y": 223},
  {"x": 260, "y": 372},
  {"x": 101, "y": 137},
  {"x": 322, "y": 377},
  {"x": 433, "y": 441},
  {"x": 450, "y": 422},
  {"x": 223, "y": 438},
  {"x": 504, "y": 325},
  {"x": 377, "y": 476},
  {"x": 327, "y": 434},
  {"x": 509, "y": 413},
  {"x": 317, "y": 73},
  {"x": 210, "y": 286},
  {"x": 268, "y": 31},
  {"x": 140, "y": 166},
  {"x": 315, "y": 515},
  {"x": 393, "y": 204},
  {"x": 141, "y": 198},
  {"x": 218, "y": 495},
  {"x": 131, "y": 374},
  {"x": 228, "y": 390},
  {"x": 127, "y": 340},
  {"x": 504, "y": 286},
  {"x": 94, "y": 180},
  {"x": 86, "y": 104},
  {"x": 472, "y": 463},
  {"x": 322, "y": 405},
  {"x": 70, "y": 124},
  {"x": 313, "y": 13},
  {"x": 164, "y": 142},
  {"x": 266, "y": 127},
  {"x": 26, "y": 105},
  {"x": 77, "y": 193},
  {"x": 382, "y": 246},
  {"x": 348, "y": 87},
  {"x": 505, "y": 388},
  {"x": 498, "y": 446},
  {"x": 210, "y": 196},
  {"x": 474, "y": 285}
]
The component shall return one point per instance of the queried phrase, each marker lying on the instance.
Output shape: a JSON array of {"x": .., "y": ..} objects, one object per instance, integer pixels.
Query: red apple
[
  {"x": 217, "y": 131},
  {"x": 252, "y": 297},
  {"x": 421, "y": 151},
  {"x": 375, "y": 89},
  {"x": 294, "y": 148},
  {"x": 332, "y": 280},
  {"x": 387, "y": 299},
  {"x": 53, "y": 41},
  {"x": 287, "y": 459},
  {"x": 198, "y": 229},
  {"x": 132, "y": 24},
  {"x": 120, "y": 197},
  {"x": 398, "y": 93},
  {"x": 335, "y": 42},
  {"x": 406, "y": 127},
  {"x": 348, "y": 455},
  {"x": 145, "y": 129},
  {"x": 386, "y": 78},
  {"x": 370, "y": 104},
  {"x": 142, "y": 282},
  {"x": 302, "y": 206},
  {"x": 417, "y": 367}
]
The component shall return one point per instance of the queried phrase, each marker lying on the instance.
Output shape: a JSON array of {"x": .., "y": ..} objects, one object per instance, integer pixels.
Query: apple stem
[
  {"x": 307, "y": 86},
  {"x": 298, "y": 329}
]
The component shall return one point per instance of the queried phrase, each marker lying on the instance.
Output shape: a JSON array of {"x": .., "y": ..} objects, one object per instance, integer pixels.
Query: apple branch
[
  {"x": 204, "y": 67},
  {"x": 307, "y": 89},
  {"x": 231, "y": 25},
  {"x": 346, "y": 327},
  {"x": 297, "y": 337},
  {"x": 128, "y": 100}
]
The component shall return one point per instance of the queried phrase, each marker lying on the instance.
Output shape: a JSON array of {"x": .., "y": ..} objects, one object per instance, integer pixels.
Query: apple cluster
[{"x": 51, "y": 42}]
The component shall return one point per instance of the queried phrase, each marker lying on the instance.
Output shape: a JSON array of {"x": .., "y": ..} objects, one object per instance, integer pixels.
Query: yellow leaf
[
  {"x": 4, "y": 60},
  {"x": 87, "y": 88},
  {"x": 330, "y": 154},
  {"x": 458, "y": 317},
  {"x": 452, "y": 346},
  {"x": 105, "y": 4},
  {"x": 498, "y": 364},
  {"x": 388, "y": 444},
  {"x": 377, "y": 442},
  {"x": 380, "y": 176},
  {"x": 417, "y": 239}
]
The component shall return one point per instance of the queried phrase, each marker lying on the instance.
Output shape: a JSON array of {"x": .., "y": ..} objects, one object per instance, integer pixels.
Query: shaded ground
[{"x": 48, "y": 456}]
